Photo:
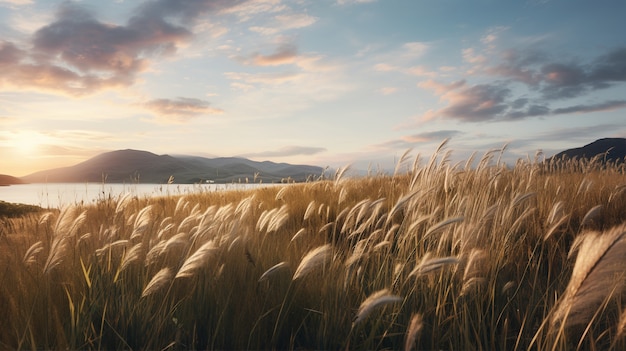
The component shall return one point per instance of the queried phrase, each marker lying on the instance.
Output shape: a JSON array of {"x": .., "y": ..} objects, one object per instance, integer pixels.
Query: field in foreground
[{"x": 437, "y": 256}]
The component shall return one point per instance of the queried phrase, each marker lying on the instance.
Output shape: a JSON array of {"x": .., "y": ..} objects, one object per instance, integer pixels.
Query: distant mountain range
[
  {"x": 134, "y": 166},
  {"x": 615, "y": 149}
]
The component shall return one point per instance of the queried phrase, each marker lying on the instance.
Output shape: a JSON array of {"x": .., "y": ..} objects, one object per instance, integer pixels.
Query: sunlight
[{"x": 26, "y": 143}]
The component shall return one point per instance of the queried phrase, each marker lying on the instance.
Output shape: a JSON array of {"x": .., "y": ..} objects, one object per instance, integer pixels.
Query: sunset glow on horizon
[{"x": 326, "y": 83}]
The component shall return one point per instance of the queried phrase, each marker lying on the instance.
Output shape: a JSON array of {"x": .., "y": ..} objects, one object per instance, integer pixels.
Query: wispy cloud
[
  {"x": 180, "y": 109},
  {"x": 410, "y": 141},
  {"x": 77, "y": 54},
  {"x": 284, "y": 22},
  {"x": 351, "y": 2},
  {"x": 546, "y": 81},
  {"x": 284, "y": 54}
]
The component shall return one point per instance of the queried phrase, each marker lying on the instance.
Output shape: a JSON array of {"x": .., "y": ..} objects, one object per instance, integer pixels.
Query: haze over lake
[{"x": 56, "y": 195}]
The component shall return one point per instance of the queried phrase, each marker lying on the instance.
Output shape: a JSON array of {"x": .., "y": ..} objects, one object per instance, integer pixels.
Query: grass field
[{"x": 435, "y": 256}]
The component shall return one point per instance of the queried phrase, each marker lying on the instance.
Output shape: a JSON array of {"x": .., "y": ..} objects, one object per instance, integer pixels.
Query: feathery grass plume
[
  {"x": 621, "y": 326},
  {"x": 475, "y": 264},
  {"x": 31, "y": 253},
  {"x": 298, "y": 234},
  {"x": 273, "y": 270},
  {"x": 197, "y": 260},
  {"x": 64, "y": 220},
  {"x": 401, "y": 162},
  {"x": 521, "y": 198},
  {"x": 555, "y": 226},
  {"x": 341, "y": 171},
  {"x": 310, "y": 209},
  {"x": 110, "y": 246},
  {"x": 181, "y": 204},
  {"x": 179, "y": 239},
  {"x": 557, "y": 210},
  {"x": 132, "y": 255},
  {"x": 401, "y": 203},
  {"x": 278, "y": 219},
  {"x": 122, "y": 202},
  {"x": 142, "y": 220},
  {"x": 45, "y": 218},
  {"x": 374, "y": 301},
  {"x": 281, "y": 193},
  {"x": 428, "y": 265},
  {"x": 55, "y": 254},
  {"x": 591, "y": 215},
  {"x": 154, "y": 252},
  {"x": 597, "y": 274},
  {"x": 314, "y": 259},
  {"x": 412, "y": 331},
  {"x": 439, "y": 226},
  {"x": 161, "y": 279}
]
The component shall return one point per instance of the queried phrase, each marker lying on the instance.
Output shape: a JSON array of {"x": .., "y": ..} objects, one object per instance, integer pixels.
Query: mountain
[
  {"x": 614, "y": 147},
  {"x": 129, "y": 166},
  {"x": 8, "y": 180}
]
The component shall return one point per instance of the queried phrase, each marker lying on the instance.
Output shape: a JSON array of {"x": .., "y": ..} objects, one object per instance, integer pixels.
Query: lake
[{"x": 56, "y": 195}]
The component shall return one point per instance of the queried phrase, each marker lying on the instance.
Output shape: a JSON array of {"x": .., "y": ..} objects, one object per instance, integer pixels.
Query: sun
[{"x": 27, "y": 143}]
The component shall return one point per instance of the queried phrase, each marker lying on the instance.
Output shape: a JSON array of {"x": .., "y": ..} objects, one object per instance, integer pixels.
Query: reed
[{"x": 435, "y": 255}]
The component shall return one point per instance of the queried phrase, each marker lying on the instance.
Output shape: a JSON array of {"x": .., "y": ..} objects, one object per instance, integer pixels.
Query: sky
[{"x": 318, "y": 82}]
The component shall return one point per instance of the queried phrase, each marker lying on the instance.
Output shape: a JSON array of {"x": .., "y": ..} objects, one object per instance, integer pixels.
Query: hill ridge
[{"x": 130, "y": 165}]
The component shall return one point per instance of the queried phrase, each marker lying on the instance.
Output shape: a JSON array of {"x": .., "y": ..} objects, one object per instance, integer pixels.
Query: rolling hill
[
  {"x": 9, "y": 180},
  {"x": 135, "y": 166},
  {"x": 615, "y": 149}
]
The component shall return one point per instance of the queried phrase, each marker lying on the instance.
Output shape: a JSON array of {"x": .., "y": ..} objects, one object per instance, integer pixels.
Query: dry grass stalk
[
  {"x": 161, "y": 279},
  {"x": 413, "y": 331},
  {"x": 374, "y": 301},
  {"x": 314, "y": 259},
  {"x": 598, "y": 272},
  {"x": 273, "y": 270}
]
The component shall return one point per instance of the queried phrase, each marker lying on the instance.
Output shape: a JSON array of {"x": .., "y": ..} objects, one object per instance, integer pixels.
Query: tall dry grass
[{"x": 473, "y": 255}]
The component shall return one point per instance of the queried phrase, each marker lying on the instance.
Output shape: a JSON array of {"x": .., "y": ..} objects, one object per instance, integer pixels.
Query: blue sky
[{"x": 322, "y": 82}]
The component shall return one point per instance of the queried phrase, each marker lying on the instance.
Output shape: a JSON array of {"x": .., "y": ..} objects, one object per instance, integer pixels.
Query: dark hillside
[{"x": 615, "y": 149}]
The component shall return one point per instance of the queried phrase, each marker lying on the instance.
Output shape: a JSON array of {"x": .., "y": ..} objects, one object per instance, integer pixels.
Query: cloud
[
  {"x": 474, "y": 103},
  {"x": 180, "y": 109},
  {"x": 600, "y": 107},
  {"x": 387, "y": 90},
  {"x": 16, "y": 2},
  {"x": 545, "y": 80},
  {"x": 77, "y": 54},
  {"x": 409, "y": 141},
  {"x": 351, "y": 2},
  {"x": 285, "y": 54},
  {"x": 288, "y": 151}
]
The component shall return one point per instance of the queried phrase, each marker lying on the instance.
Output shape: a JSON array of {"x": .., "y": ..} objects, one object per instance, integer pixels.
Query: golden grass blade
[{"x": 374, "y": 301}]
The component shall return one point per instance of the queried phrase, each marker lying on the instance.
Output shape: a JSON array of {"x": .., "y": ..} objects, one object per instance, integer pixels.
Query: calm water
[{"x": 60, "y": 194}]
